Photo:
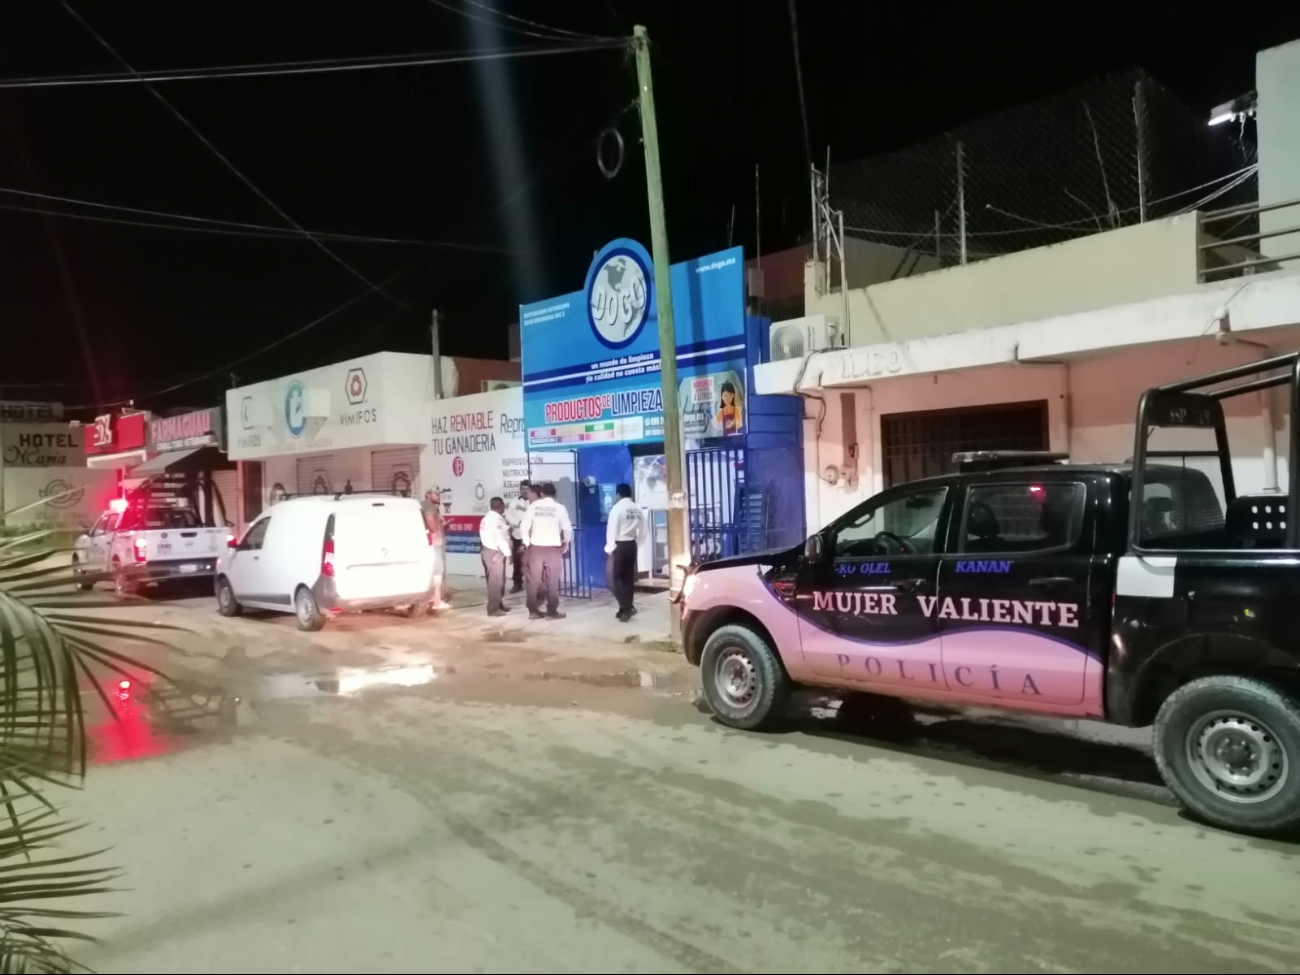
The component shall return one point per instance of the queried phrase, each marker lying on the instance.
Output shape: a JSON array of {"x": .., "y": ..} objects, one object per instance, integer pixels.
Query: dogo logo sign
[{"x": 618, "y": 293}]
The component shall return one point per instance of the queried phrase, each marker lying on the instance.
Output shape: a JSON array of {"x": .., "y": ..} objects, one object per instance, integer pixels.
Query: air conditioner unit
[
  {"x": 797, "y": 337},
  {"x": 492, "y": 385}
]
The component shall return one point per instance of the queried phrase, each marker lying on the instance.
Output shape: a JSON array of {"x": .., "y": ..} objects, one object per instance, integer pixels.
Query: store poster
[{"x": 591, "y": 358}]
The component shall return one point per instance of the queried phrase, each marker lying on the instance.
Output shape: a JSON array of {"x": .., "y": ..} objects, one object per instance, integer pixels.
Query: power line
[
  {"x": 212, "y": 225},
  {"x": 468, "y": 15},
  {"x": 224, "y": 160},
  {"x": 798, "y": 74},
  {"x": 272, "y": 69},
  {"x": 533, "y": 23}
]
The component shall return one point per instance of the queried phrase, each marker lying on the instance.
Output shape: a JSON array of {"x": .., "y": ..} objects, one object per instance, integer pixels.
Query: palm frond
[{"x": 54, "y": 648}]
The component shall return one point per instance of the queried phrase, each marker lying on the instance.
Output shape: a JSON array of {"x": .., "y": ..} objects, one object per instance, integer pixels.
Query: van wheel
[
  {"x": 307, "y": 612},
  {"x": 411, "y": 610},
  {"x": 79, "y": 581},
  {"x": 227, "y": 604},
  {"x": 744, "y": 682},
  {"x": 1229, "y": 749}
]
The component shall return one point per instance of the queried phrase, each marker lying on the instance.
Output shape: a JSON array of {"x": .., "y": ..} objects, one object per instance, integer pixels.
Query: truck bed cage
[{"x": 1290, "y": 361}]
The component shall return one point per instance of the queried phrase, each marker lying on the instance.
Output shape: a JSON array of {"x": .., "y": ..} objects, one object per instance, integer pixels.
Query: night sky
[{"x": 102, "y": 310}]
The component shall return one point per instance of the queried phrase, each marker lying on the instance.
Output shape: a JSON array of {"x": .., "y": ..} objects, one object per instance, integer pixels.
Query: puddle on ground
[
  {"x": 346, "y": 681},
  {"x": 504, "y": 636}
]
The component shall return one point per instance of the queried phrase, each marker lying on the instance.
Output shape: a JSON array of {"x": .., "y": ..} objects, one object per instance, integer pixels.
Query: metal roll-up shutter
[
  {"x": 316, "y": 475},
  {"x": 225, "y": 489},
  {"x": 395, "y": 470}
]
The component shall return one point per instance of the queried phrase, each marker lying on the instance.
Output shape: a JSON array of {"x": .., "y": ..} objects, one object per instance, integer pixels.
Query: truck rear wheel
[
  {"x": 743, "y": 680},
  {"x": 80, "y": 580},
  {"x": 1229, "y": 750},
  {"x": 122, "y": 585}
]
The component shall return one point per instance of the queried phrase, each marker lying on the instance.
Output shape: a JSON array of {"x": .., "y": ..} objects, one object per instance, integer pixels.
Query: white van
[{"x": 317, "y": 557}]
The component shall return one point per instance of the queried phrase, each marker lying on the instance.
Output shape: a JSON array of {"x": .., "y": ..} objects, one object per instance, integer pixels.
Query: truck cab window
[
  {"x": 904, "y": 524},
  {"x": 1023, "y": 516}
]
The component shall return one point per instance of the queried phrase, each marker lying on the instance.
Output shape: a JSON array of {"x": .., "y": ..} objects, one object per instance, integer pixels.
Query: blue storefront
[{"x": 594, "y": 412}]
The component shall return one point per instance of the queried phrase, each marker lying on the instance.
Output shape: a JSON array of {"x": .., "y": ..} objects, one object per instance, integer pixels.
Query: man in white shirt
[
  {"x": 546, "y": 532},
  {"x": 514, "y": 517},
  {"x": 494, "y": 533},
  {"x": 625, "y": 528}
]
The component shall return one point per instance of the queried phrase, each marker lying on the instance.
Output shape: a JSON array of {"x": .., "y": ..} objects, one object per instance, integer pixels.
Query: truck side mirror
[{"x": 812, "y": 549}]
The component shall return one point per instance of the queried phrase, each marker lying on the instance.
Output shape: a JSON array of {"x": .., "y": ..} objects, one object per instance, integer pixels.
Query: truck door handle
[
  {"x": 1050, "y": 582},
  {"x": 911, "y": 585}
]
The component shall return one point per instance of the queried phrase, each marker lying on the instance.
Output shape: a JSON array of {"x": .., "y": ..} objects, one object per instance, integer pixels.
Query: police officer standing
[
  {"x": 514, "y": 517},
  {"x": 494, "y": 534},
  {"x": 546, "y": 532},
  {"x": 625, "y": 528}
]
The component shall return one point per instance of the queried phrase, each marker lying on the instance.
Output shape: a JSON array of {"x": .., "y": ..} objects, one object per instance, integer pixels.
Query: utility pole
[
  {"x": 678, "y": 530},
  {"x": 435, "y": 346}
]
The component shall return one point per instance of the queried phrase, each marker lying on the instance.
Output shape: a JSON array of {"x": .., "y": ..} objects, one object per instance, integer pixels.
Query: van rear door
[{"x": 380, "y": 549}]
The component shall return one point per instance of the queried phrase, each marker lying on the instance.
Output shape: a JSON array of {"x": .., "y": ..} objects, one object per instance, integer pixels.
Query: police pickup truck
[
  {"x": 142, "y": 541},
  {"x": 1143, "y": 593}
]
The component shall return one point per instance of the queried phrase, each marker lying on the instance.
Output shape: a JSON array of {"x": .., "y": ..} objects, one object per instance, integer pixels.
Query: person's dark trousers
[
  {"x": 624, "y": 575},
  {"x": 494, "y": 567},
  {"x": 544, "y": 565},
  {"x": 517, "y": 555}
]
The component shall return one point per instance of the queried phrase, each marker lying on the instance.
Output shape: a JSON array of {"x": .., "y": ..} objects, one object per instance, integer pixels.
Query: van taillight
[
  {"x": 429, "y": 535},
  {"x": 327, "y": 558},
  {"x": 140, "y": 549}
]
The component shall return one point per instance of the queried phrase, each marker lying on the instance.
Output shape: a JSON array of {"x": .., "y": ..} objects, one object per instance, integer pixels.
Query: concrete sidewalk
[{"x": 585, "y": 619}]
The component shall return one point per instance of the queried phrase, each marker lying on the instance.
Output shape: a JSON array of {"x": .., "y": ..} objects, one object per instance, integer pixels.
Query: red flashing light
[
  {"x": 140, "y": 549},
  {"x": 117, "y": 505},
  {"x": 1035, "y": 489},
  {"x": 124, "y": 685}
]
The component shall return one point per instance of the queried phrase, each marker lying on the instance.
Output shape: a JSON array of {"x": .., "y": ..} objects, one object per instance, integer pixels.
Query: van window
[
  {"x": 255, "y": 535},
  {"x": 1025, "y": 516},
  {"x": 911, "y": 517}
]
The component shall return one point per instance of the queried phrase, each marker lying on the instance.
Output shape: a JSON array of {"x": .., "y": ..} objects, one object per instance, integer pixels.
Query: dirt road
[{"x": 508, "y": 820}]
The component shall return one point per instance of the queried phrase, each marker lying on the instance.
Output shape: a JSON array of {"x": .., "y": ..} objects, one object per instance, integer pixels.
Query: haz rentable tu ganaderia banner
[
  {"x": 591, "y": 358},
  {"x": 475, "y": 452}
]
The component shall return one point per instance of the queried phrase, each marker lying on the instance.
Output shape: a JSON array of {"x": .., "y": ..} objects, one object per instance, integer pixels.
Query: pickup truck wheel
[
  {"x": 122, "y": 586},
  {"x": 743, "y": 680},
  {"x": 227, "y": 604},
  {"x": 79, "y": 582},
  {"x": 1229, "y": 749},
  {"x": 306, "y": 610}
]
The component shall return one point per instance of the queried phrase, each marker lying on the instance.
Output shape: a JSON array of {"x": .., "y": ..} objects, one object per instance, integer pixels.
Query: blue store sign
[{"x": 591, "y": 358}]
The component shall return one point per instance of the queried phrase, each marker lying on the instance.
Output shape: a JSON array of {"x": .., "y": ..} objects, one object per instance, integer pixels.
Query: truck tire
[
  {"x": 743, "y": 680},
  {"x": 306, "y": 610},
  {"x": 1229, "y": 750},
  {"x": 122, "y": 585},
  {"x": 79, "y": 581},
  {"x": 227, "y": 604}
]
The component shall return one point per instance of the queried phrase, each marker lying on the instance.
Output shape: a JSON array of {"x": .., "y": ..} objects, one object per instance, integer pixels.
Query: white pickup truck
[{"x": 146, "y": 543}]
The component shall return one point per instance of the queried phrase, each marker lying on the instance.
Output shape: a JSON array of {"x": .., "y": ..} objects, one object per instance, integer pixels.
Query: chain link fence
[{"x": 1104, "y": 155}]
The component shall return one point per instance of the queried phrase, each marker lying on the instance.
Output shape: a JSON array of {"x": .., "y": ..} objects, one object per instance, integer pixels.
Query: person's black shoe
[
  {"x": 556, "y": 616},
  {"x": 535, "y": 616},
  {"x": 623, "y": 617},
  {"x": 497, "y": 612},
  {"x": 506, "y": 609},
  {"x": 515, "y": 589}
]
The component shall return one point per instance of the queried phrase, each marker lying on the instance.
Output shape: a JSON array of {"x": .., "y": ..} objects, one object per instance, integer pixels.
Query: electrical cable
[
  {"x": 461, "y": 12},
  {"x": 798, "y": 74},
  {"x": 533, "y": 23},
  {"x": 272, "y": 69},
  {"x": 226, "y": 161},
  {"x": 234, "y": 228}
]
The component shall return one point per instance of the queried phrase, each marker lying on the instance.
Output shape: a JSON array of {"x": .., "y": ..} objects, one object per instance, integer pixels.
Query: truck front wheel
[
  {"x": 743, "y": 680},
  {"x": 1229, "y": 749}
]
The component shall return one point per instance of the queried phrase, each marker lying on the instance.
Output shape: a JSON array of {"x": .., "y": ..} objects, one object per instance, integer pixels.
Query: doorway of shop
[
  {"x": 917, "y": 445},
  {"x": 560, "y": 467}
]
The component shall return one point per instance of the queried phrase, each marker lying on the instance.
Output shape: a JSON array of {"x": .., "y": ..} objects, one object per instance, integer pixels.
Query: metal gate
[
  {"x": 560, "y": 467},
  {"x": 916, "y": 445},
  {"x": 316, "y": 475},
  {"x": 395, "y": 470},
  {"x": 722, "y": 518}
]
